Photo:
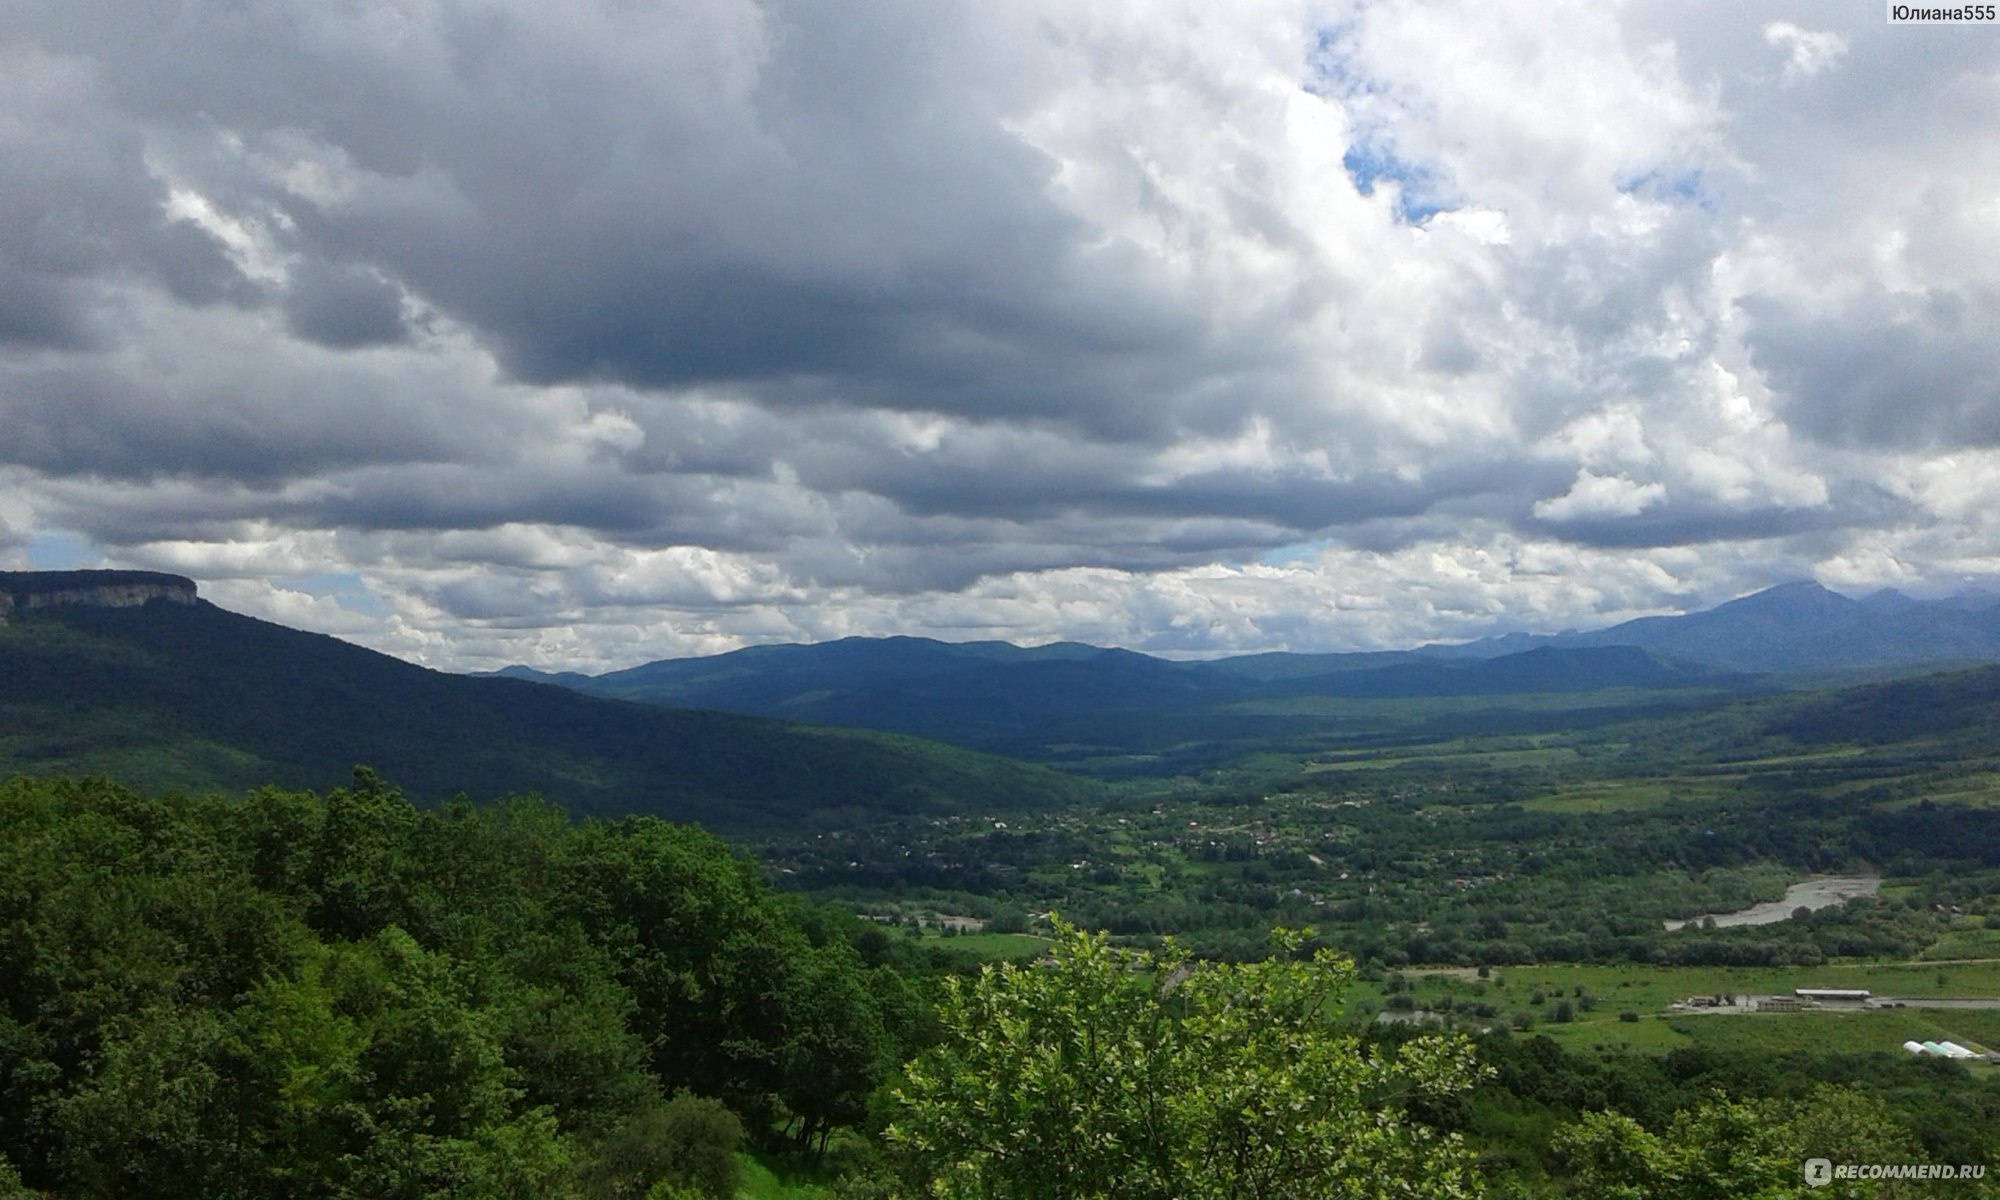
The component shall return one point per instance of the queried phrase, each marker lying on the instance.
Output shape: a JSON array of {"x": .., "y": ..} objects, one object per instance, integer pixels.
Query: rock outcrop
[{"x": 21, "y": 591}]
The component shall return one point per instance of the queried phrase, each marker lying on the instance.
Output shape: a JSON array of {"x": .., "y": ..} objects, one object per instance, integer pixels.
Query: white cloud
[
  {"x": 1594, "y": 495},
  {"x": 1807, "y": 53},
  {"x": 592, "y": 332}
]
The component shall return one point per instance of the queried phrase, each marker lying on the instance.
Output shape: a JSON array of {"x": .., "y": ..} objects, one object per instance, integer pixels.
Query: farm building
[
  {"x": 1833, "y": 995},
  {"x": 1781, "y": 1004}
]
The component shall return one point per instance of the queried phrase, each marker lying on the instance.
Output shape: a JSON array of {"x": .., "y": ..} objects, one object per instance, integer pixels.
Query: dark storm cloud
[
  {"x": 79, "y": 208},
  {"x": 249, "y": 423},
  {"x": 37, "y": 311},
  {"x": 1700, "y": 522},
  {"x": 1908, "y": 372},
  {"x": 345, "y": 307},
  {"x": 805, "y": 209},
  {"x": 1290, "y": 499},
  {"x": 627, "y": 510}
]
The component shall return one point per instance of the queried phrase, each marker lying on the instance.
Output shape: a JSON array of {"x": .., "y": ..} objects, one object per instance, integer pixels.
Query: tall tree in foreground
[{"x": 1106, "y": 1072}]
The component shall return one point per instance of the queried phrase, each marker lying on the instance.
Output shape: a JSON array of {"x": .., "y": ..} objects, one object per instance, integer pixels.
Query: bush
[
  {"x": 688, "y": 1143},
  {"x": 1630, "y": 1018},
  {"x": 1009, "y": 921}
]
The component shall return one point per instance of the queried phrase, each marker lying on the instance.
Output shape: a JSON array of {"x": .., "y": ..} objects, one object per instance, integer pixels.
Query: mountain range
[
  {"x": 1042, "y": 702},
  {"x": 166, "y": 690},
  {"x": 131, "y": 673},
  {"x": 1801, "y": 629}
]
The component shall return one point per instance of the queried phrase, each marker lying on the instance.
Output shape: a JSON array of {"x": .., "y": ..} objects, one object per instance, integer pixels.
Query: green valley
[{"x": 225, "y": 983}]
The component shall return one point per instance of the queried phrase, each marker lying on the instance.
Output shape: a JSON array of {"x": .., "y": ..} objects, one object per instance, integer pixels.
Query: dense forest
[
  {"x": 288, "y": 995},
  {"x": 292, "y": 995}
]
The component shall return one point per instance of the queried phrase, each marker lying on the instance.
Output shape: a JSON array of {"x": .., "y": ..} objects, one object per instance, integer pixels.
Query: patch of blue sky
[
  {"x": 61, "y": 552},
  {"x": 345, "y": 588},
  {"x": 1416, "y": 186},
  {"x": 1332, "y": 74},
  {"x": 1296, "y": 554},
  {"x": 1371, "y": 160},
  {"x": 1676, "y": 187}
]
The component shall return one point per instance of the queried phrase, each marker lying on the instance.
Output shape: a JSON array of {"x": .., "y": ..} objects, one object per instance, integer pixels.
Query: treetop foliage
[
  {"x": 1103, "y": 1072},
  {"x": 289, "y": 995}
]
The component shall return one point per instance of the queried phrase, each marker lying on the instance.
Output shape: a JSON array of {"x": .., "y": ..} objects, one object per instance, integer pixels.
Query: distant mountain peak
[
  {"x": 1890, "y": 600},
  {"x": 1803, "y": 597},
  {"x": 1797, "y": 589}
]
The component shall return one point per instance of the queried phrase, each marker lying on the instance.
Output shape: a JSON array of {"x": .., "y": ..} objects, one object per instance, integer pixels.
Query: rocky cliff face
[{"x": 24, "y": 590}]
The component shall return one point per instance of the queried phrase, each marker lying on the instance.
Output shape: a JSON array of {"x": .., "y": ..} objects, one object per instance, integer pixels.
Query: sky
[{"x": 580, "y": 333}]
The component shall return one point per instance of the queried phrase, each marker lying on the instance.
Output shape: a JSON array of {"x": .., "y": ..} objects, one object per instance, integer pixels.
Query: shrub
[{"x": 688, "y": 1143}]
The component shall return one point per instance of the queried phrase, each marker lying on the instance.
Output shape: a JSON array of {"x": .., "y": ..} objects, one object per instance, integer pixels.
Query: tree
[
  {"x": 835, "y": 1050},
  {"x": 684, "y": 1146},
  {"x": 360, "y": 867},
  {"x": 1722, "y": 1149},
  {"x": 1103, "y": 1072}
]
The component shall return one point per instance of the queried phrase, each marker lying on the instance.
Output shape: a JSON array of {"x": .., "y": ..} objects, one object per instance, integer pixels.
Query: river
[{"x": 1816, "y": 893}]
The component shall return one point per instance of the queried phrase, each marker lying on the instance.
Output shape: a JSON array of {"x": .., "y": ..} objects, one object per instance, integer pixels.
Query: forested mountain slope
[{"x": 189, "y": 695}]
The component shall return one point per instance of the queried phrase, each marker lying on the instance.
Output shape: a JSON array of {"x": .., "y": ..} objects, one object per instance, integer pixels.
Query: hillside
[
  {"x": 1803, "y": 629},
  {"x": 1061, "y": 702},
  {"x": 188, "y": 695},
  {"x": 1956, "y": 708}
]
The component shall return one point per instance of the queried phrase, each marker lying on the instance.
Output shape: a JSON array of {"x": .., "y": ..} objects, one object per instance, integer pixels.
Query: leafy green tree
[
  {"x": 361, "y": 865},
  {"x": 11, "y": 1187},
  {"x": 374, "y": 1072},
  {"x": 683, "y": 1147},
  {"x": 1153, "y": 1076},
  {"x": 1724, "y": 1149},
  {"x": 836, "y": 1048},
  {"x": 150, "y": 1119}
]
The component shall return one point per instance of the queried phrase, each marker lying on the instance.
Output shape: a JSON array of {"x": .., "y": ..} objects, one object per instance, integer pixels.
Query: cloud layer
[{"x": 584, "y": 333}]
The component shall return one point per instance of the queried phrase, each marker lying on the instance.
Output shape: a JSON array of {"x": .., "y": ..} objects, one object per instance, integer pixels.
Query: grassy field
[
  {"x": 1648, "y": 991},
  {"x": 764, "y": 1181},
  {"x": 1807, "y": 1033},
  {"x": 985, "y": 947},
  {"x": 1482, "y": 759},
  {"x": 1973, "y": 941},
  {"x": 1625, "y": 795},
  {"x": 1649, "y": 988}
]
